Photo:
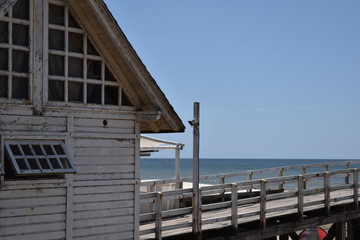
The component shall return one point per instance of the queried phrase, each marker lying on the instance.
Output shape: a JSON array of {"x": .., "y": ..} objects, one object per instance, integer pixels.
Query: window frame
[
  {"x": 40, "y": 171},
  {"x": 85, "y": 56},
  {"x": 10, "y": 46}
]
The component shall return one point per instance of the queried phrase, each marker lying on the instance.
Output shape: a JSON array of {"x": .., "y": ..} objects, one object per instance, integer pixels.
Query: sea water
[{"x": 164, "y": 168}]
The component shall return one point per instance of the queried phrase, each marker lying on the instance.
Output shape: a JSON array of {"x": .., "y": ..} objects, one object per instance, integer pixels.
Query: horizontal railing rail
[{"x": 226, "y": 203}]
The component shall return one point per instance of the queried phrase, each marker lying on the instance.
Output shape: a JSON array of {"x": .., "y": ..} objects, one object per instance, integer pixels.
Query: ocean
[{"x": 164, "y": 168}]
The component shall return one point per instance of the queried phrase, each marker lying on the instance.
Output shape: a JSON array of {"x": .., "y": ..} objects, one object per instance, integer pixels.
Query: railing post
[
  {"x": 304, "y": 173},
  {"x": 158, "y": 214},
  {"x": 281, "y": 174},
  {"x": 263, "y": 204},
  {"x": 196, "y": 196},
  {"x": 234, "y": 205},
  {"x": 301, "y": 197},
  {"x": 327, "y": 192},
  {"x": 347, "y": 178},
  {"x": 356, "y": 188},
  {"x": 250, "y": 188}
]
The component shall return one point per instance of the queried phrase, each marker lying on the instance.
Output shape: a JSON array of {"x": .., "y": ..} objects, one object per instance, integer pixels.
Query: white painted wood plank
[
  {"x": 109, "y": 176},
  {"x": 31, "y": 228},
  {"x": 88, "y": 198},
  {"x": 38, "y": 236},
  {"x": 88, "y": 160},
  {"x": 106, "y": 143},
  {"x": 104, "y": 122},
  {"x": 124, "y": 231},
  {"x": 29, "y": 211},
  {"x": 101, "y": 152},
  {"x": 103, "y": 205},
  {"x": 103, "y": 189},
  {"x": 32, "y": 202},
  {"x": 107, "y": 221},
  {"x": 103, "y": 213},
  {"x": 31, "y": 219},
  {"x": 119, "y": 169}
]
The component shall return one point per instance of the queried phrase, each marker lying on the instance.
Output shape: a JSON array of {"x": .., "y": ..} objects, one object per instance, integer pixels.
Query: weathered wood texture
[
  {"x": 325, "y": 190},
  {"x": 98, "y": 201}
]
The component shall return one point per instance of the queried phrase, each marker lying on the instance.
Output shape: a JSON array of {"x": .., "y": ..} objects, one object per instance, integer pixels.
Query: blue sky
[{"x": 275, "y": 79}]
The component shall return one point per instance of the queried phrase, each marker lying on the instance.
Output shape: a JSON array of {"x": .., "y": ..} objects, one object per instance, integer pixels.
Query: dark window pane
[
  {"x": 26, "y": 150},
  {"x": 20, "y": 88},
  {"x": 65, "y": 163},
  {"x": 20, "y": 61},
  {"x": 72, "y": 21},
  {"x": 56, "y": 90},
  {"x": 125, "y": 101},
  {"x": 4, "y": 59},
  {"x": 75, "y": 92},
  {"x": 91, "y": 49},
  {"x": 93, "y": 69},
  {"x": 56, "y": 14},
  {"x": 44, "y": 163},
  {"x": 56, "y": 65},
  {"x": 37, "y": 150},
  {"x": 3, "y": 86},
  {"x": 33, "y": 164},
  {"x": 56, "y": 40},
  {"x": 54, "y": 163},
  {"x": 59, "y": 150},
  {"x": 94, "y": 93},
  {"x": 111, "y": 95},
  {"x": 20, "y": 35},
  {"x": 76, "y": 68},
  {"x": 108, "y": 75},
  {"x": 15, "y": 150},
  {"x": 48, "y": 150},
  {"x": 21, "y": 9},
  {"x": 4, "y": 30},
  {"x": 21, "y": 163},
  {"x": 75, "y": 42}
]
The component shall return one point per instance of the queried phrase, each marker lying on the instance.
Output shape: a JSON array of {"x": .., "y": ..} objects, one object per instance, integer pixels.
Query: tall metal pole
[{"x": 196, "y": 201}]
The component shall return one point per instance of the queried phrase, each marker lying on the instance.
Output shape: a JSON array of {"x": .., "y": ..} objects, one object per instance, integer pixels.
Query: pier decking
[{"x": 259, "y": 208}]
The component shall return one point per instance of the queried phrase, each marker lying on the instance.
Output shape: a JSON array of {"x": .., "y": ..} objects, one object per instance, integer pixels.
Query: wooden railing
[
  {"x": 231, "y": 207},
  {"x": 257, "y": 174}
]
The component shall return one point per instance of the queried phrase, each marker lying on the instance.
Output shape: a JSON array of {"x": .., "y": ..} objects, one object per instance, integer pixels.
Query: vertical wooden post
[
  {"x": 158, "y": 214},
  {"x": 327, "y": 192},
  {"x": 356, "y": 188},
  {"x": 303, "y": 173},
  {"x": 347, "y": 177},
  {"x": 234, "y": 205},
  {"x": 340, "y": 231},
  {"x": 263, "y": 204},
  {"x": 353, "y": 229},
  {"x": 301, "y": 197},
  {"x": 281, "y": 174},
  {"x": 250, "y": 177},
  {"x": 177, "y": 164},
  {"x": 196, "y": 223}
]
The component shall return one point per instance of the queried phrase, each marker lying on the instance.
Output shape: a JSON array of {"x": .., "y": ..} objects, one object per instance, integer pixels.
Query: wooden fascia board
[
  {"x": 5, "y": 5},
  {"x": 132, "y": 59}
]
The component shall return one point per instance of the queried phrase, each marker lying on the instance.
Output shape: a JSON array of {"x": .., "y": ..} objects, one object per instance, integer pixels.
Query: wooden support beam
[
  {"x": 353, "y": 229},
  {"x": 300, "y": 197},
  {"x": 340, "y": 231},
  {"x": 263, "y": 204},
  {"x": 327, "y": 193},
  {"x": 158, "y": 221},
  {"x": 234, "y": 205}
]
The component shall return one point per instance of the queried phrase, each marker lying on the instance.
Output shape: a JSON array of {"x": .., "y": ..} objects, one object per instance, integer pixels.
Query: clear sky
[{"x": 275, "y": 79}]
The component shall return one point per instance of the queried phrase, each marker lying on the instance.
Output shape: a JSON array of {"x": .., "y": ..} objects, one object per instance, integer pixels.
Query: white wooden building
[{"x": 74, "y": 99}]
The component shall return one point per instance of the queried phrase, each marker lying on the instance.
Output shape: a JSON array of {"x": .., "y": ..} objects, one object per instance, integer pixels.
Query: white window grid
[
  {"x": 39, "y": 157},
  {"x": 10, "y": 47},
  {"x": 85, "y": 56}
]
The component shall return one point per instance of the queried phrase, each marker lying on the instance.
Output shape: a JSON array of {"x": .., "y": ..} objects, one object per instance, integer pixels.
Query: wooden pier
[{"x": 258, "y": 208}]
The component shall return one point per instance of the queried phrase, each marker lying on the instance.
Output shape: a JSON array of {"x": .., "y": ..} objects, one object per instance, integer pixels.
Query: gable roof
[
  {"x": 154, "y": 111},
  {"x": 142, "y": 89}
]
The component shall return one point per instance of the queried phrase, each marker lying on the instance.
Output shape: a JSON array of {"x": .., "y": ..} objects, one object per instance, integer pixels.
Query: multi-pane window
[
  {"x": 15, "y": 51},
  {"x": 77, "y": 72},
  {"x": 38, "y": 157}
]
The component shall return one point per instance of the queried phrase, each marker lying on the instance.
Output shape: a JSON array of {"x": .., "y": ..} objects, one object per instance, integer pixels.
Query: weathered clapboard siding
[
  {"x": 103, "y": 209},
  {"x": 37, "y": 211},
  {"x": 32, "y": 123}
]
